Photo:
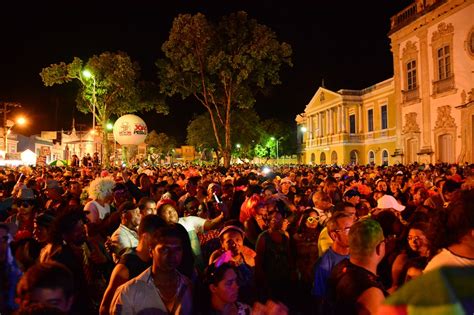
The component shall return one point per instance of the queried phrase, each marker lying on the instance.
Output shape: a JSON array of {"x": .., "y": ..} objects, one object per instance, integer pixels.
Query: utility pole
[{"x": 5, "y": 109}]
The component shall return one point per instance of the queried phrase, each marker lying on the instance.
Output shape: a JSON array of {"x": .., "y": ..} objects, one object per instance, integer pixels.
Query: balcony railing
[
  {"x": 410, "y": 95},
  {"x": 403, "y": 17},
  {"x": 443, "y": 85},
  {"x": 410, "y": 13}
]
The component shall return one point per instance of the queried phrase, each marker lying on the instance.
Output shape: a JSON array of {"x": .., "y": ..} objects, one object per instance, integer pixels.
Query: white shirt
[
  {"x": 141, "y": 296},
  {"x": 102, "y": 211},
  {"x": 192, "y": 223},
  {"x": 123, "y": 237},
  {"x": 447, "y": 258}
]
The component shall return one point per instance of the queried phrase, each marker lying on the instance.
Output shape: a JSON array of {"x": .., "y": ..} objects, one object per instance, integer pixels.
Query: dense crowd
[{"x": 188, "y": 239}]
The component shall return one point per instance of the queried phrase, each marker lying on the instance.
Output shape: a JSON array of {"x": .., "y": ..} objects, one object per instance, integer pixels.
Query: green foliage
[
  {"x": 246, "y": 121},
  {"x": 221, "y": 65},
  {"x": 114, "y": 84},
  {"x": 160, "y": 143},
  {"x": 114, "y": 87}
]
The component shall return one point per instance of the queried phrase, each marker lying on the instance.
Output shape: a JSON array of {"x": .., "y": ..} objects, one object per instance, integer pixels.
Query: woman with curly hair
[{"x": 100, "y": 191}]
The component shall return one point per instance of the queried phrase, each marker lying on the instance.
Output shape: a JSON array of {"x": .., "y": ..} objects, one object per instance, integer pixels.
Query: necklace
[{"x": 170, "y": 300}]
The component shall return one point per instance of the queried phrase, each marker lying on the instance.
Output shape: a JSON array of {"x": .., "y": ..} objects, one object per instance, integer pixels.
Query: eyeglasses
[{"x": 311, "y": 220}]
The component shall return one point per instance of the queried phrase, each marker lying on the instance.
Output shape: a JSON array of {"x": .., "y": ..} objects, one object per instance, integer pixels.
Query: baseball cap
[
  {"x": 285, "y": 180},
  {"x": 387, "y": 201}
]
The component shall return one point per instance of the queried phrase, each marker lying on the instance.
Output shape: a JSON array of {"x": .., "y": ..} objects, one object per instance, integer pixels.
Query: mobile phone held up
[{"x": 216, "y": 198}]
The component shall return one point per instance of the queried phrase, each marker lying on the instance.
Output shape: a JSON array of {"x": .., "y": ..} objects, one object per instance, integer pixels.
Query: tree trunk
[
  {"x": 105, "y": 144},
  {"x": 227, "y": 156},
  {"x": 228, "y": 145},
  {"x": 217, "y": 156}
]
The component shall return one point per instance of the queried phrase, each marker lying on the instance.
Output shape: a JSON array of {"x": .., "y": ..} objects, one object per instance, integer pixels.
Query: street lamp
[
  {"x": 88, "y": 75},
  {"x": 8, "y": 128},
  {"x": 277, "y": 140}
]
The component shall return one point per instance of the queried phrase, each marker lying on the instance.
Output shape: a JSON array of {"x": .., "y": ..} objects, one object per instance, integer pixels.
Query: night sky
[{"x": 345, "y": 43}]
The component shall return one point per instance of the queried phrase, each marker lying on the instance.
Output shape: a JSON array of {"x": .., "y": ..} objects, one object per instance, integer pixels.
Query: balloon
[{"x": 130, "y": 130}]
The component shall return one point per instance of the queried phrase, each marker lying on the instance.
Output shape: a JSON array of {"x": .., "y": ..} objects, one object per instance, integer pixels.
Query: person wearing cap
[
  {"x": 387, "y": 202},
  {"x": 126, "y": 235}
]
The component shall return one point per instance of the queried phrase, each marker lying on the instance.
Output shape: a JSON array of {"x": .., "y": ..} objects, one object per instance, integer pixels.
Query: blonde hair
[{"x": 100, "y": 187}]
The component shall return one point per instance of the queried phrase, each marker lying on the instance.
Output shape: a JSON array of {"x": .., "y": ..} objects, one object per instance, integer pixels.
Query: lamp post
[
  {"x": 277, "y": 140},
  {"x": 89, "y": 75},
  {"x": 8, "y": 128},
  {"x": 110, "y": 127}
]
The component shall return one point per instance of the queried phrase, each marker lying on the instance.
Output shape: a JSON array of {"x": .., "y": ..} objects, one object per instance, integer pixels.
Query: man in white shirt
[
  {"x": 458, "y": 250},
  {"x": 126, "y": 235}
]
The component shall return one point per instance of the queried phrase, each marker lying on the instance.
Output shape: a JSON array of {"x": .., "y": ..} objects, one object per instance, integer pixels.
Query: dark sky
[{"x": 344, "y": 42}]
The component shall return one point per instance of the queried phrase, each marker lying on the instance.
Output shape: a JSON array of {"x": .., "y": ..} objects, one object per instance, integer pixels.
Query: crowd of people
[{"x": 189, "y": 239}]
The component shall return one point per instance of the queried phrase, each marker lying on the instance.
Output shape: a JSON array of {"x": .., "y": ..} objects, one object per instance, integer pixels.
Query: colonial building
[
  {"x": 424, "y": 114},
  {"x": 433, "y": 59},
  {"x": 349, "y": 126}
]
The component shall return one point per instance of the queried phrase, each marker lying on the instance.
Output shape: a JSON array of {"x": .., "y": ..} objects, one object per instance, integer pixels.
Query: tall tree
[
  {"x": 109, "y": 84},
  {"x": 246, "y": 121},
  {"x": 160, "y": 143},
  {"x": 221, "y": 65}
]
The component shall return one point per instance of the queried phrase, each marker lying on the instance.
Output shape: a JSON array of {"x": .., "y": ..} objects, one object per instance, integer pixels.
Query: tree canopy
[
  {"x": 110, "y": 83},
  {"x": 221, "y": 65},
  {"x": 160, "y": 143}
]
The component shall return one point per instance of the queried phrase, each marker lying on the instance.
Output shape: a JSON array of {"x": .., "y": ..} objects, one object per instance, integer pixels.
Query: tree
[
  {"x": 246, "y": 121},
  {"x": 160, "y": 143},
  {"x": 221, "y": 65},
  {"x": 111, "y": 85}
]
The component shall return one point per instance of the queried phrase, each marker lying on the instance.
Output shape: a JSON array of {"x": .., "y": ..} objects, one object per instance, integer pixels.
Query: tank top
[
  {"x": 347, "y": 283},
  {"x": 133, "y": 263}
]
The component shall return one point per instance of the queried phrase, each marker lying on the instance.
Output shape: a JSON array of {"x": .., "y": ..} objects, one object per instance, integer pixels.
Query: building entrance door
[{"x": 446, "y": 148}]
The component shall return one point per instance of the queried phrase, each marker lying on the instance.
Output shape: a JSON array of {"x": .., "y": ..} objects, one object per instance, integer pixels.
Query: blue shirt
[{"x": 322, "y": 271}]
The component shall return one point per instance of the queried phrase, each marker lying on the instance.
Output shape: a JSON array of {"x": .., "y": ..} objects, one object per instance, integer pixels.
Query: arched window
[
  {"x": 334, "y": 157},
  {"x": 313, "y": 158},
  {"x": 371, "y": 157},
  {"x": 354, "y": 156},
  {"x": 384, "y": 157},
  {"x": 322, "y": 158}
]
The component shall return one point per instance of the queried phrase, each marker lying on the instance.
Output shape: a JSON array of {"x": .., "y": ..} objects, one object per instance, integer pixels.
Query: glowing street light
[
  {"x": 9, "y": 124},
  {"x": 110, "y": 126},
  {"x": 21, "y": 121},
  {"x": 303, "y": 129},
  {"x": 237, "y": 145}
]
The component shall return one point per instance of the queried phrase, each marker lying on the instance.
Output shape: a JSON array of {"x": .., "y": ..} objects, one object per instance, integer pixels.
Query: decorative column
[
  {"x": 310, "y": 128},
  {"x": 359, "y": 118},
  {"x": 328, "y": 130},
  {"x": 338, "y": 116},
  {"x": 331, "y": 121},
  {"x": 344, "y": 119},
  {"x": 425, "y": 82}
]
